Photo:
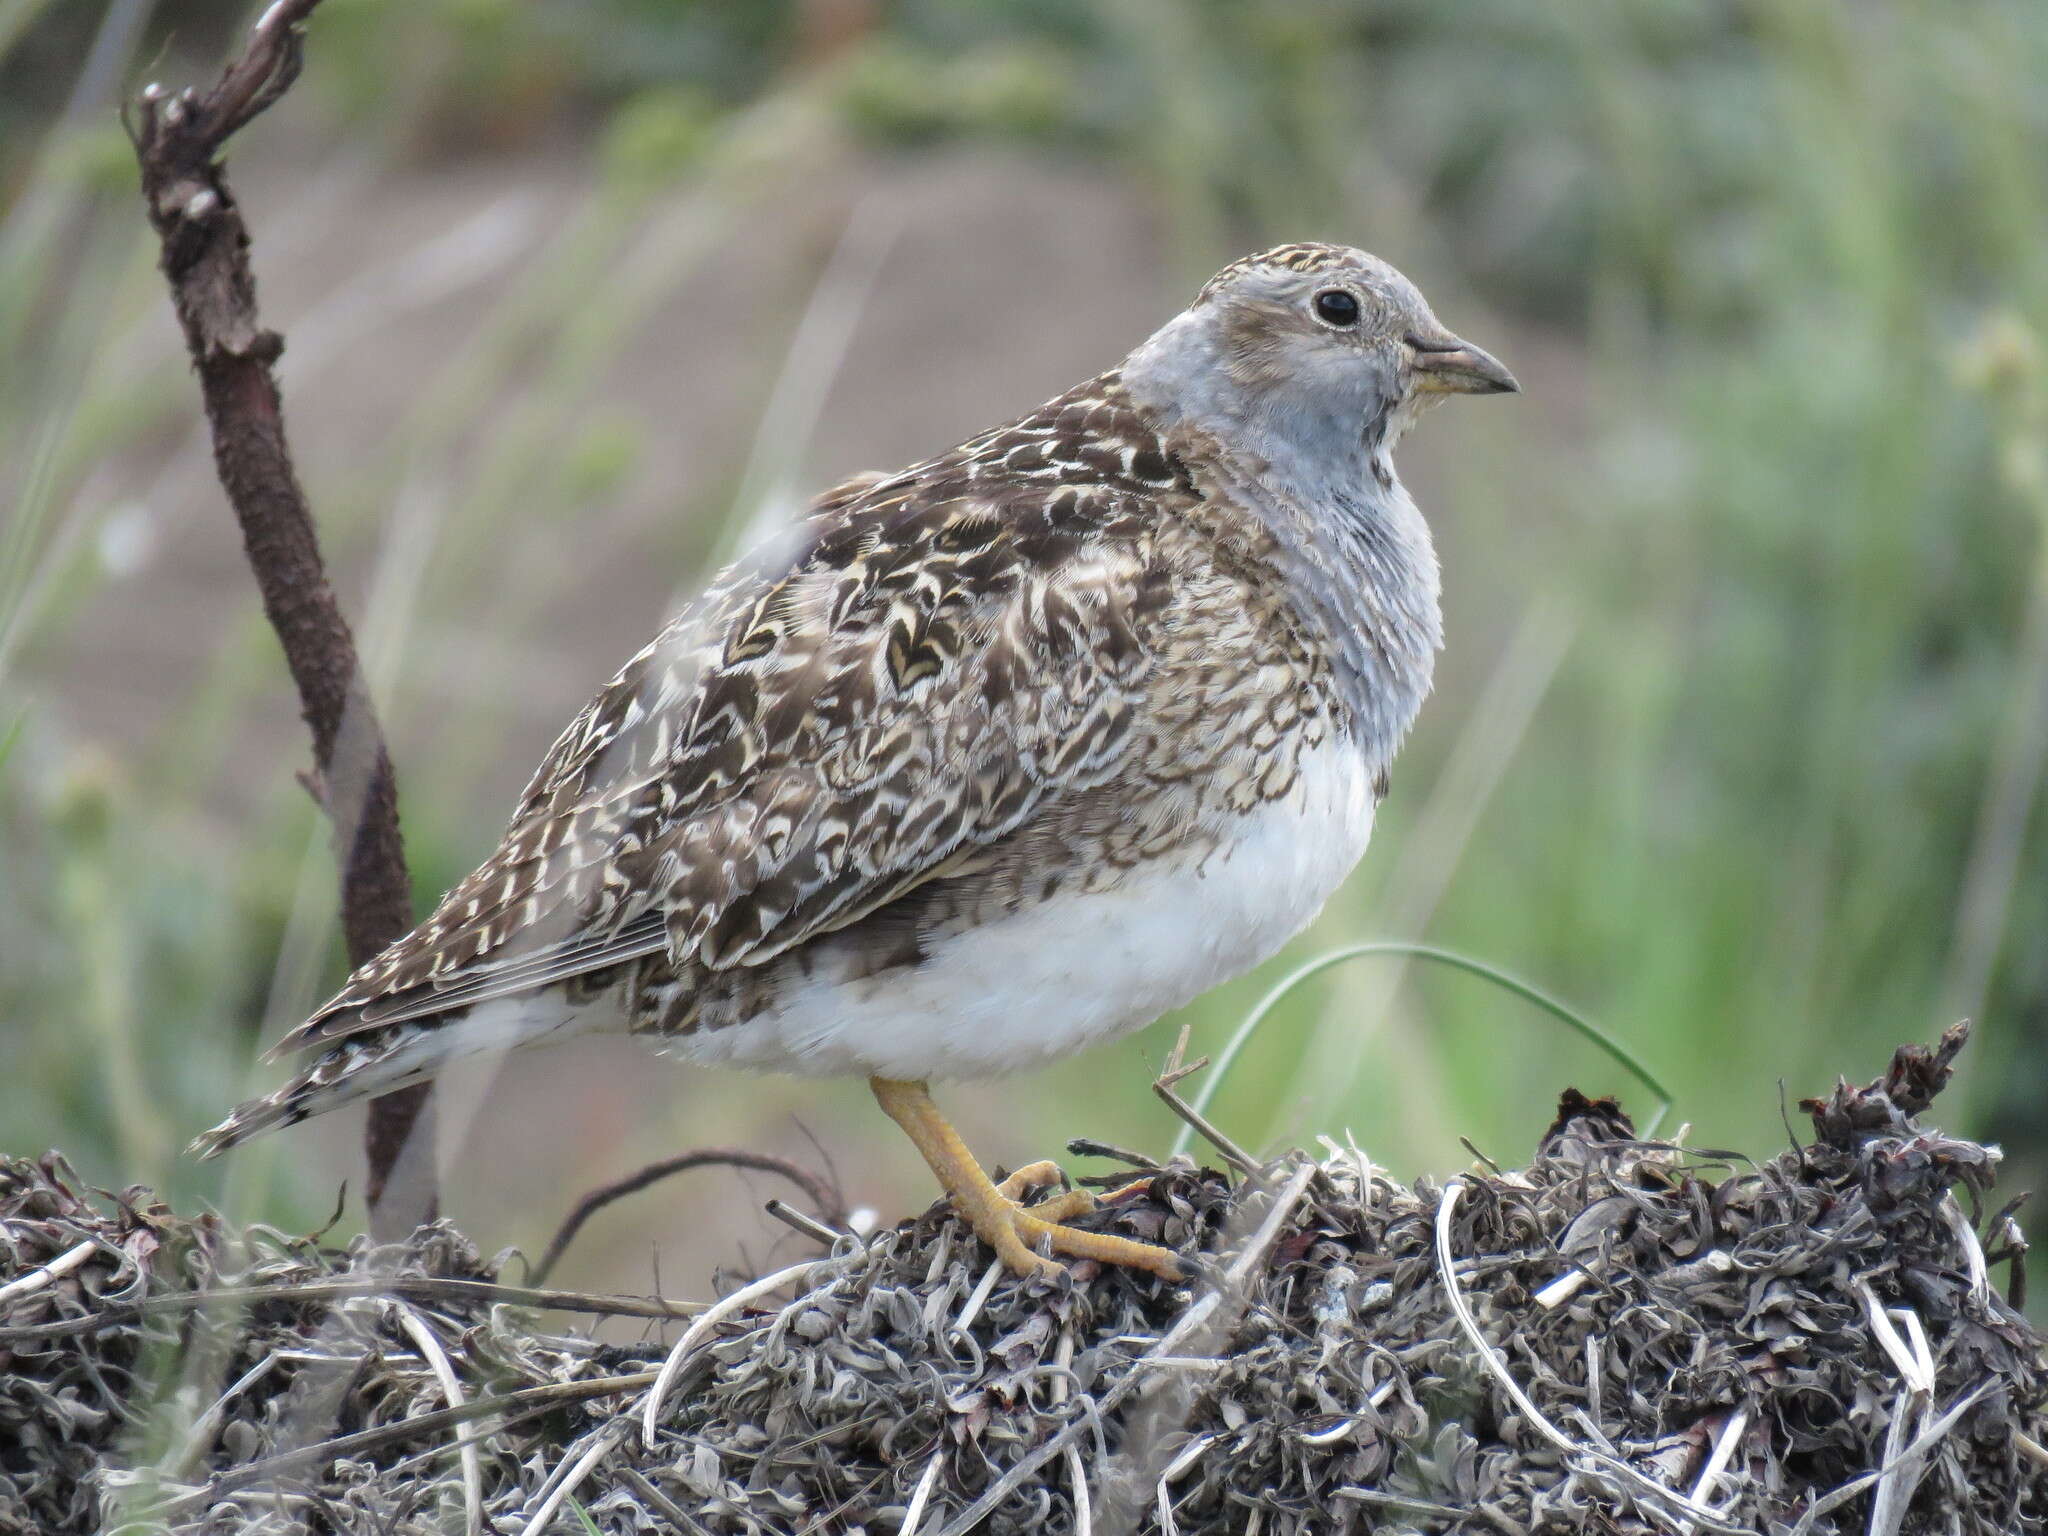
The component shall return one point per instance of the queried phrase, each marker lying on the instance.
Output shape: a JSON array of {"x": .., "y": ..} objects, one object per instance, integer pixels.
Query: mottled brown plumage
[{"x": 1099, "y": 647}]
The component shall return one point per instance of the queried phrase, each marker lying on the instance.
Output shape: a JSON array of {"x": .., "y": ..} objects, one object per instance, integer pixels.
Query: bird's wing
[{"x": 823, "y": 732}]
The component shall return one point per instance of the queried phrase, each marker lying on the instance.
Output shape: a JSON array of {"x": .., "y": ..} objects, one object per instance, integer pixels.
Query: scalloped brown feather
[{"x": 830, "y": 725}]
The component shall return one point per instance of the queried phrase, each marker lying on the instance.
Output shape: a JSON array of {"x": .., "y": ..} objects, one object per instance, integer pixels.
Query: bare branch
[
  {"x": 820, "y": 1194},
  {"x": 205, "y": 259},
  {"x": 1166, "y": 1085}
]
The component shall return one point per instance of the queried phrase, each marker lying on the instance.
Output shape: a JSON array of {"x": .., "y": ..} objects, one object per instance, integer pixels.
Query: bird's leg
[{"x": 998, "y": 1219}]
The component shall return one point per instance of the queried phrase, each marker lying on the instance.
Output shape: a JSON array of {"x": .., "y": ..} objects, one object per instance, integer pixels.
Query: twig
[
  {"x": 1088, "y": 1146},
  {"x": 1077, "y": 1478},
  {"x": 1478, "y": 1156},
  {"x": 1237, "y": 1279},
  {"x": 208, "y": 1424},
  {"x": 922, "y": 1493},
  {"x": 1901, "y": 1473},
  {"x": 820, "y": 1194},
  {"x": 1191, "y": 1453},
  {"x": 44, "y": 1274},
  {"x": 2016, "y": 1258},
  {"x": 1973, "y": 1249},
  {"x": 417, "y": 1287},
  {"x": 1913, "y": 1362},
  {"x": 1563, "y": 1288},
  {"x": 1169, "y": 1079},
  {"x": 803, "y": 1221},
  {"x": 2030, "y": 1448},
  {"x": 205, "y": 259},
  {"x": 514, "y": 1405},
  {"x": 602, "y": 1443},
  {"x": 1717, "y": 1461},
  {"x": 1380, "y": 1499},
  {"x": 663, "y": 1504},
  {"x": 978, "y": 1297}
]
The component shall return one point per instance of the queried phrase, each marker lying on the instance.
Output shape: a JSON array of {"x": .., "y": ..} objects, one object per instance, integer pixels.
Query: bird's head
[{"x": 1316, "y": 353}]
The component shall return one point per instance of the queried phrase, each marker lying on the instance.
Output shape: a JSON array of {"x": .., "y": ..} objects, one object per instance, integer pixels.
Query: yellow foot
[
  {"x": 1018, "y": 1230},
  {"x": 1021, "y": 1235},
  {"x": 1022, "y": 1238},
  {"x": 1064, "y": 1206}
]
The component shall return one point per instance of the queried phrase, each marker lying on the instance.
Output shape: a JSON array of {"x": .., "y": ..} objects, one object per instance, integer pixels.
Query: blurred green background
[{"x": 1737, "y": 741}]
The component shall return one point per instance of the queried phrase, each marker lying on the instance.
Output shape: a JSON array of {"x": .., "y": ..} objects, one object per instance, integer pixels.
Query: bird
[{"x": 983, "y": 762}]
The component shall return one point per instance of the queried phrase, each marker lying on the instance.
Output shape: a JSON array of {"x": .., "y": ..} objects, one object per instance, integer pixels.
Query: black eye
[{"x": 1336, "y": 307}]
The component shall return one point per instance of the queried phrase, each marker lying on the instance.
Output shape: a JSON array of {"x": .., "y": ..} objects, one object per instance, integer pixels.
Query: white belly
[{"x": 1076, "y": 970}]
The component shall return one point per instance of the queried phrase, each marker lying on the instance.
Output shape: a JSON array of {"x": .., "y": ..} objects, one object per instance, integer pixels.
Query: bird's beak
[{"x": 1448, "y": 365}]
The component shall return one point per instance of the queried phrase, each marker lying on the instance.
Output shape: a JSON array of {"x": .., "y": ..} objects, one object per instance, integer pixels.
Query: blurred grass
[{"x": 1738, "y": 741}]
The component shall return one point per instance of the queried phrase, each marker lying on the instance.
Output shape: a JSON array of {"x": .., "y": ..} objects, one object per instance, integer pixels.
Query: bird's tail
[
  {"x": 351, "y": 1069},
  {"x": 383, "y": 1059}
]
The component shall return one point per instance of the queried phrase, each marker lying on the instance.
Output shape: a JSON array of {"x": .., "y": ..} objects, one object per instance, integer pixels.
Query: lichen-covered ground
[{"x": 1623, "y": 1336}]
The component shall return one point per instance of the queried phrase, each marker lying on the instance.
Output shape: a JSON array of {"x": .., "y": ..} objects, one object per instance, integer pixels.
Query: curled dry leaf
[{"x": 1736, "y": 1340}]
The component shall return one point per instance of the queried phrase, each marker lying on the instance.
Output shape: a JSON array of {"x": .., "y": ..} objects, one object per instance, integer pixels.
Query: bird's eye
[{"x": 1334, "y": 306}]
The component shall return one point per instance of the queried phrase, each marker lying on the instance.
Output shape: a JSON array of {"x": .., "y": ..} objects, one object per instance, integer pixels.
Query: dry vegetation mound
[{"x": 1624, "y": 1336}]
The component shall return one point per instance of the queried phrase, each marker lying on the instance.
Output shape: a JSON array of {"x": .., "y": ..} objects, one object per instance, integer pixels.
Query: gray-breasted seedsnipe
[{"x": 987, "y": 760}]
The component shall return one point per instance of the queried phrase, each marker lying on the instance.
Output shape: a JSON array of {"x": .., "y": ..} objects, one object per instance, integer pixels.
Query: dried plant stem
[
  {"x": 574, "y": 1471},
  {"x": 413, "y": 1286},
  {"x": 1927, "y": 1439},
  {"x": 661, "y": 1502},
  {"x": 1725, "y": 1445},
  {"x": 802, "y": 1221},
  {"x": 513, "y": 1405},
  {"x": 205, "y": 260},
  {"x": 1167, "y": 1086},
  {"x": 56, "y": 1269},
  {"x": 914, "y": 1514},
  {"x": 820, "y": 1193},
  {"x": 436, "y": 1357},
  {"x": 207, "y": 1425}
]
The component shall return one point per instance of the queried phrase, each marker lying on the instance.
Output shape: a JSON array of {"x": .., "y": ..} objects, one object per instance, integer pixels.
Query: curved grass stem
[{"x": 1585, "y": 1027}]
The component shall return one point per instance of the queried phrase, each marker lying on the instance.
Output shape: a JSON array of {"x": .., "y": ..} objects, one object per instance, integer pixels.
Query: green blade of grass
[
  {"x": 10, "y": 734},
  {"x": 1579, "y": 1024}
]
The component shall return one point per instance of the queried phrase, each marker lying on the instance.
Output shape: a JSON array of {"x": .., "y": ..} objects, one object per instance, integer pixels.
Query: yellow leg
[{"x": 996, "y": 1215}]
